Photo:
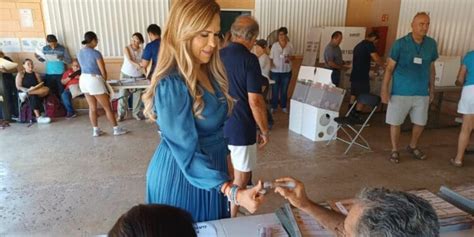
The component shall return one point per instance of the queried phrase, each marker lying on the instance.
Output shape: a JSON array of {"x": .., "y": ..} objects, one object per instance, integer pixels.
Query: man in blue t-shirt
[
  {"x": 150, "y": 53},
  {"x": 245, "y": 86},
  {"x": 57, "y": 58},
  {"x": 411, "y": 65}
]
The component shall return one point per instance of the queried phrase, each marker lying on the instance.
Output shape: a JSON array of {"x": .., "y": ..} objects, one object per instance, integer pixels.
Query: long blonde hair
[{"x": 187, "y": 19}]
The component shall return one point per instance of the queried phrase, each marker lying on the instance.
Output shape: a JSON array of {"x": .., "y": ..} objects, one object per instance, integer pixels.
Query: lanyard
[{"x": 418, "y": 49}]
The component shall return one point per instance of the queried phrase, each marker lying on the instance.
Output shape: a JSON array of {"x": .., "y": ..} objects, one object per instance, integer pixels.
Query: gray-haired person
[
  {"x": 377, "y": 212},
  {"x": 245, "y": 86}
]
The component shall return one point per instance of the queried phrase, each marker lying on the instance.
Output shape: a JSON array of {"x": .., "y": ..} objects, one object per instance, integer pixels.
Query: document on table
[{"x": 298, "y": 223}]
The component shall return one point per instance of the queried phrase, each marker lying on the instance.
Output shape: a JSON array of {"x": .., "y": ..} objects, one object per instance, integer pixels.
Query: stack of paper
[
  {"x": 297, "y": 223},
  {"x": 450, "y": 217}
]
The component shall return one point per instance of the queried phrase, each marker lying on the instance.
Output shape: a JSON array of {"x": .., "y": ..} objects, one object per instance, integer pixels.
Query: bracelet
[{"x": 232, "y": 196}]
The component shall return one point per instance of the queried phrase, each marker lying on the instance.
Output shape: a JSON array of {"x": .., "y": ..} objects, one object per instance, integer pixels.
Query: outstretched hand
[{"x": 251, "y": 199}]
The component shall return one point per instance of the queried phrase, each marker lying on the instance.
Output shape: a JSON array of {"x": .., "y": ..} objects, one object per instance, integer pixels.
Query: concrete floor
[{"x": 57, "y": 180}]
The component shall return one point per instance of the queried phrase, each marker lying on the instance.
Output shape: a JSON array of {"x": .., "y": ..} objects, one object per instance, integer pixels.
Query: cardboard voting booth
[
  {"x": 446, "y": 70},
  {"x": 318, "y": 37},
  {"x": 315, "y": 104}
]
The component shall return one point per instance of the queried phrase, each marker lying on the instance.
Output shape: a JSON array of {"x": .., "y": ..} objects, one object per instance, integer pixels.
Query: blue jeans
[
  {"x": 280, "y": 88},
  {"x": 67, "y": 101}
]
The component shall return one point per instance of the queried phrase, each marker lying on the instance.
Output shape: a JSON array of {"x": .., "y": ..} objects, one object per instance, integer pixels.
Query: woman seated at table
[
  {"x": 30, "y": 83},
  {"x": 70, "y": 80}
]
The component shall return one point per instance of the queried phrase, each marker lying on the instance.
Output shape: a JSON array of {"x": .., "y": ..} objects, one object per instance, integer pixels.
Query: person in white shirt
[
  {"x": 131, "y": 68},
  {"x": 281, "y": 55}
]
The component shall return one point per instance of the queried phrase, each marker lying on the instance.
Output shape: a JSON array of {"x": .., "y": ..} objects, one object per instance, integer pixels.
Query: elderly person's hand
[
  {"x": 251, "y": 199},
  {"x": 296, "y": 196}
]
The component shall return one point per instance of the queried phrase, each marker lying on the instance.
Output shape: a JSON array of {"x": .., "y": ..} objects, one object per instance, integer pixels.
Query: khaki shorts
[
  {"x": 244, "y": 158},
  {"x": 400, "y": 106}
]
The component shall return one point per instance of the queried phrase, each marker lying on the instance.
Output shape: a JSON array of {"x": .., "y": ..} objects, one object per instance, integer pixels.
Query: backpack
[
  {"x": 53, "y": 107},
  {"x": 26, "y": 114}
]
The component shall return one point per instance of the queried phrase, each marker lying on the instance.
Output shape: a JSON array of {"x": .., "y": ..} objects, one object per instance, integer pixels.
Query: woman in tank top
[{"x": 28, "y": 82}]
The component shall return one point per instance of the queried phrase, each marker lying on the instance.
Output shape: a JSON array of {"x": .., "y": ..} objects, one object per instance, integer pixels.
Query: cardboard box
[{"x": 447, "y": 70}]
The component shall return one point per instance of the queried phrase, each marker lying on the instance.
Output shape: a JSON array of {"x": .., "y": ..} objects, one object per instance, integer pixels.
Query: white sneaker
[
  {"x": 97, "y": 132},
  {"x": 43, "y": 120},
  {"x": 119, "y": 131},
  {"x": 22, "y": 96}
]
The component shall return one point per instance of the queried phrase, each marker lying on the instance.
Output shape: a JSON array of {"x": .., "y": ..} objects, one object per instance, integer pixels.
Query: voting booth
[
  {"x": 446, "y": 70},
  {"x": 318, "y": 37},
  {"x": 314, "y": 104}
]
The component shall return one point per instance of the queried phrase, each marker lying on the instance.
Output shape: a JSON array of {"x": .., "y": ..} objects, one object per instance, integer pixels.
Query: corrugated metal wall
[
  {"x": 298, "y": 16},
  {"x": 451, "y": 23},
  {"x": 114, "y": 21}
]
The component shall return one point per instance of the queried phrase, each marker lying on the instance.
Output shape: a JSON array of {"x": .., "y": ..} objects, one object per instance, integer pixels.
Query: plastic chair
[{"x": 348, "y": 125}]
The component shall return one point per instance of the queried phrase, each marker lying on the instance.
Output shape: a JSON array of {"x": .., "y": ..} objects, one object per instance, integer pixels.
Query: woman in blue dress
[{"x": 189, "y": 100}]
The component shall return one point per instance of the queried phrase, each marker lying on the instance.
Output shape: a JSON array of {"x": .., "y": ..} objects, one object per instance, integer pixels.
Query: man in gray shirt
[{"x": 333, "y": 57}]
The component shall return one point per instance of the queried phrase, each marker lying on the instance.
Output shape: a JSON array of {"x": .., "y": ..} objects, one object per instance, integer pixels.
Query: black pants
[
  {"x": 36, "y": 102},
  {"x": 336, "y": 77},
  {"x": 12, "y": 94},
  {"x": 53, "y": 82}
]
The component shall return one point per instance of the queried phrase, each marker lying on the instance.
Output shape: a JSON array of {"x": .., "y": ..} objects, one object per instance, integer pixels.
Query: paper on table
[
  {"x": 271, "y": 230},
  {"x": 7, "y": 64},
  {"x": 306, "y": 73},
  {"x": 323, "y": 75},
  {"x": 204, "y": 229}
]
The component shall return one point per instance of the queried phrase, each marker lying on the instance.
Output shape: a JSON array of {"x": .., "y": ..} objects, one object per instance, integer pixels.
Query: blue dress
[{"x": 190, "y": 163}]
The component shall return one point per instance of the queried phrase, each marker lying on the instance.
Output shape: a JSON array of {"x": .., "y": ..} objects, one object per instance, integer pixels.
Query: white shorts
[
  {"x": 92, "y": 84},
  {"x": 244, "y": 158},
  {"x": 466, "y": 103},
  {"x": 399, "y": 107}
]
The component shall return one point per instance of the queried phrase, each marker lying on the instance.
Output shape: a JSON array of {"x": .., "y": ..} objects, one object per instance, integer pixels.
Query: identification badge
[{"x": 417, "y": 60}]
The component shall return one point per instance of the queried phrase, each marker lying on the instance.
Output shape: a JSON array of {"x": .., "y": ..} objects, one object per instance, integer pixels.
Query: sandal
[
  {"x": 395, "y": 157},
  {"x": 455, "y": 164},
  {"x": 417, "y": 153}
]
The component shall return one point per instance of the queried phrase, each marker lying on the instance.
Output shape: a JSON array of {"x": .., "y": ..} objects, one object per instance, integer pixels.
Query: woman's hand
[{"x": 250, "y": 199}]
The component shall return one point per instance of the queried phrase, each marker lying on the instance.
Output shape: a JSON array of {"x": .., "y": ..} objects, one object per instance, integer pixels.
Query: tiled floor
[{"x": 57, "y": 180}]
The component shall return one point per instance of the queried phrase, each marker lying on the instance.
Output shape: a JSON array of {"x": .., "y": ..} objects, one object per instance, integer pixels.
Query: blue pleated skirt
[{"x": 166, "y": 184}]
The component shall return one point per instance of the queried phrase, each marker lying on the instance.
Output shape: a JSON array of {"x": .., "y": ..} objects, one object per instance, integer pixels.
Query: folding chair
[{"x": 347, "y": 124}]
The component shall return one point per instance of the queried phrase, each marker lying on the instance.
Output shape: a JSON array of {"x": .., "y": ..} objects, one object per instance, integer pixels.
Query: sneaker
[
  {"x": 97, "y": 132},
  {"x": 285, "y": 110},
  {"x": 22, "y": 96},
  {"x": 43, "y": 120},
  {"x": 71, "y": 115},
  {"x": 119, "y": 131}
]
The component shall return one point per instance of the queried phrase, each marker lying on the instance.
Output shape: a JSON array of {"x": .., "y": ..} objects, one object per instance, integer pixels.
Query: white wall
[
  {"x": 298, "y": 16},
  {"x": 451, "y": 23},
  {"x": 114, "y": 21}
]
